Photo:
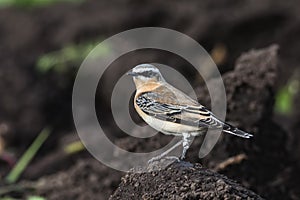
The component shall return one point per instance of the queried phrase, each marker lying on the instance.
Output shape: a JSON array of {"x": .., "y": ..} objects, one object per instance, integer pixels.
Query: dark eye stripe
[{"x": 148, "y": 73}]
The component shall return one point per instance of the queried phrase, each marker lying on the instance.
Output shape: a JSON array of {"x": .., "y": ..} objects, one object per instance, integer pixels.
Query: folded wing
[
  {"x": 197, "y": 116},
  {"x": 172, "y": 108}
]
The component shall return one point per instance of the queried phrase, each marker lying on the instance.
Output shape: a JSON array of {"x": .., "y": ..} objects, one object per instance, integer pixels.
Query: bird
[{"x": 171, "y": 111}]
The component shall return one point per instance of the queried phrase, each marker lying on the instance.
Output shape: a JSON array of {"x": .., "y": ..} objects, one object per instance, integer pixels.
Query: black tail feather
[{"x": 235, "y": 131}]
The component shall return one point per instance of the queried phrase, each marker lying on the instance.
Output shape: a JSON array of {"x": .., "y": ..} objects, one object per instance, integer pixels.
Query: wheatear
[{"x": 172, "y": 112}]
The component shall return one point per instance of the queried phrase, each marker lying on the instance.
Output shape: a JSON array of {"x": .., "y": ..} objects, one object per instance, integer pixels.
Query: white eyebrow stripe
[
  {"x": 145, "y": 66},
  {"x": 145, "y": 69}
]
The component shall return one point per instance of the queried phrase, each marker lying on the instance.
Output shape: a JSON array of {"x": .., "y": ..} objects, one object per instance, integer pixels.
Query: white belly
[{"x": 170, "y": 128}]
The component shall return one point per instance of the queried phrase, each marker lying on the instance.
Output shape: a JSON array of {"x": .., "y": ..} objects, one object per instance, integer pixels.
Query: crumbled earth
[
  {"x": 87, "y": 179},
  {"x": 180, "y": 181}
]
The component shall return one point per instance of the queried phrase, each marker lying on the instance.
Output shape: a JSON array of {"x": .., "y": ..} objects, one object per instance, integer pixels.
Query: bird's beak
[{"x": 131, "y": 73}]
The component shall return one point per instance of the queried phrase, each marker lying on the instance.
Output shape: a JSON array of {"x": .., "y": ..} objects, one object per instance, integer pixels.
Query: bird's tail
[{"x": 235, "y": 131}]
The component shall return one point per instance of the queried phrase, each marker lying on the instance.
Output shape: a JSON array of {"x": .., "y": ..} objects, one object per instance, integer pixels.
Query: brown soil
[{"x": 180, "y": 181}]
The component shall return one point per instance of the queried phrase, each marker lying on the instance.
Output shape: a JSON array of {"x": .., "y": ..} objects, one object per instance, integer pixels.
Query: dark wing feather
[
  {"x": 197, "y": 116},
  {"x": 163, "y": 104}
]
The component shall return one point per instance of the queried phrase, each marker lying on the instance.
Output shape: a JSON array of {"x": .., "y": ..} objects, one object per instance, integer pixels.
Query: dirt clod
[{"x": 180, "y": 181}]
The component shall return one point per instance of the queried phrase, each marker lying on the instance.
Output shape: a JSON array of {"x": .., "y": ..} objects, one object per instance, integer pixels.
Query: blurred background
[{"x": 43, "y": 42}]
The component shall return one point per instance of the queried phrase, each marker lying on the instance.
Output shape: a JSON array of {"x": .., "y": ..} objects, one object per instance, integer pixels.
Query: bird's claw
[{"x": 167, "y": 158}]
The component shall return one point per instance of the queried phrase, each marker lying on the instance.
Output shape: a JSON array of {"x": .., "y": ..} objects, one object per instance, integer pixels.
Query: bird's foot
[
  {"x": 154, "y": 159},
  {"x": 175, "y": 158},
  {"x": 157, "y": 164},
  {"x": 157, "y": 158},
  {"x": 182, "y": 157}
]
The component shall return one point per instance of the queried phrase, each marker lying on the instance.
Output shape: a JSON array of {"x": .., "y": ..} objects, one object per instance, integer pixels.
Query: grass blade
[{"x": 15, "y": 173}]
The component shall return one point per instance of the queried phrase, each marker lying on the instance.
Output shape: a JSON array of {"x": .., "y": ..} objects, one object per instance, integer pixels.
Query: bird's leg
[
  {"x": 186, "y": 144},
  {"x": 166, "y": 152}
]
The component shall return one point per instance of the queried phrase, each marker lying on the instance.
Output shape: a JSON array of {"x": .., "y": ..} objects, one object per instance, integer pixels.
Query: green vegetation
[
  {"x": 35, "y": 198},
  {"x": 74, "y": 147},
  {"x": 285, "y": 97},
  {"x": 15, "y": 173},
  {"x": 71, "y": 55},
  {"x": 32, "y": 3},
  {"x": 5, "y": 3},
  {"x": 28, "y": 198}
]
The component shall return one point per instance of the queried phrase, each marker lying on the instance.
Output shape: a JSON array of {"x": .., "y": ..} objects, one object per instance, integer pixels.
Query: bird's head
[{"x": 145, "y": 73}]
